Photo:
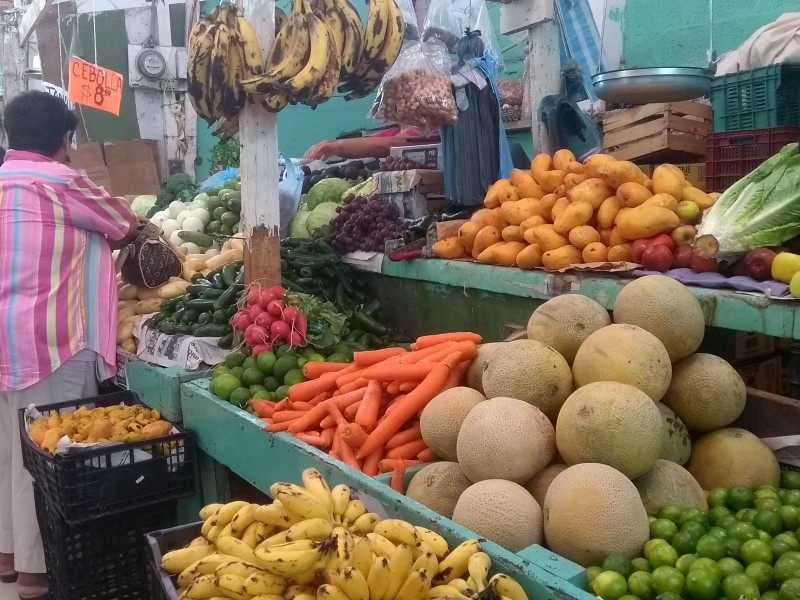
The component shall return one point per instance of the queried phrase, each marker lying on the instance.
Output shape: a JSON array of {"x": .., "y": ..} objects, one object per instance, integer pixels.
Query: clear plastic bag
[
  {"x": 416, "y": 91},
  {"x": 515, "y": 97},
  {"x": 450, "y": 20}
]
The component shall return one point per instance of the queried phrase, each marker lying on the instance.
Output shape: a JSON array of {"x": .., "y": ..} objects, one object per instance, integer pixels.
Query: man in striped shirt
[{"x": 58, "y": 302}]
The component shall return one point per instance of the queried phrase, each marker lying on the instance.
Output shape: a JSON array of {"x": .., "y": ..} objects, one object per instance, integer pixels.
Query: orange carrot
[
  {"x": 367, "y": 414},
  {"x": 311, "y": 440},
  {"x": 408, "y": 451},
  {"x": 266, "y": 421},
  {"x": 315, "y": 370},
  {"x": 370, "y": 464},
  {"x": 287, "y": 415},
  {"x": 263, "y": 408},
  {"x": 457, "y": 375},
  {"x": 313, "y": 417},
  {"x": 467, "y": 350},
  {"x": 388, "y": 464},
  {"x": 327, "y": 436},
  {"x": 327, "y": 422},
  {"x": 348, "y": 457},
  {"x": 281, "y": 405},
  {"x": 353, "y": 435},
  {"x": 393, "y": 387},
  {"x": 398, "y": 479},
  {"x": 412, "y": 404},
  {"x": 408, "y": 386},
  {"x": 276, "y": 427},
  {"x": 348, "y": 376},
  {"x": 420, "y": 355},
  {"x": 334, "y": 411},
  {"x": 426, "y": 341},
  {"x": 373, "y": 357},
  {"x": 393, "y": 404},
  {"x": 351, "y": 411},
  {"x": 354, "y": 385},
  {"x": 305, "y": 391},
  {"x": 391, "y": 372},
  {"x": 304, "y": 406},
  {"x": 427, "y": 456},
  {"x": 403, "y": 437},
  {"x": 335, "y": 445}
]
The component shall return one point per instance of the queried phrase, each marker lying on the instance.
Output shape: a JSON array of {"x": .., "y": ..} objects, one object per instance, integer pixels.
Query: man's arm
[
  {"x": 93, "y": 209},
  {"x": 356, "y": 148}
]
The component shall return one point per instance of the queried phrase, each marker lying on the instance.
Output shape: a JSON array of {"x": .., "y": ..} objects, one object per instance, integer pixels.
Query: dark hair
[
  {"x": 38, "y": 122},
  {"x": 2, "y": 155}
]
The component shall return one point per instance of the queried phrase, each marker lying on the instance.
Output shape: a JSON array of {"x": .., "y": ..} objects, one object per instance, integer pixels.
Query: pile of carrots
[{"x": 366, "y": 413}]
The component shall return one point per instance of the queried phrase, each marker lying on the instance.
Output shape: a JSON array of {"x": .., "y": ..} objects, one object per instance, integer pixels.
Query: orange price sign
[{"x": 93, "y": 86}]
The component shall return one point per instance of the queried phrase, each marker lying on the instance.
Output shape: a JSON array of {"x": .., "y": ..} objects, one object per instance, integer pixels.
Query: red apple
[
  {"x": 664, "y": 240},
  {"x": 698, "y": 264},
  {"x": 657, "y": 257},
  {"x": 684, "y": 234},
  {"x": 637, "y": 248},
  {"x": 757, "y": 264},
  {"x": 682, "y": 257}
]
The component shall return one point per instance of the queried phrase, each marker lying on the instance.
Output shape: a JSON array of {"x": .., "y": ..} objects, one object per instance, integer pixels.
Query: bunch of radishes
[{"x": 266, "y": 322}]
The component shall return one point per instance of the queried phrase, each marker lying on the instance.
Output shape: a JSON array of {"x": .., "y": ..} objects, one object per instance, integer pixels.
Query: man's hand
[{"x": 321, "y": 151}]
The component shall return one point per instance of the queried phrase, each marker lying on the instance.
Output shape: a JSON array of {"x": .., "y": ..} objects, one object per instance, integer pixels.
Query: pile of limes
[
  {"x": 746, "y": 547},
  {"x": 268, "y": 376}
]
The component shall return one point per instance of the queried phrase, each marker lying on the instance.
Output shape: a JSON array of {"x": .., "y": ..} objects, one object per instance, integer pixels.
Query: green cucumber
[
  {"x": 195, "y": 237},
  {"x": 204, "y": 318},
  {"x": 190, "y": 316},
  {"x": 201, "y": 304},
  {"x": 211, "y": 293},
  {"x": 213, "y": 330},
  {"x": 226, "y": 341},
  {"x": 229, "y": 273}
]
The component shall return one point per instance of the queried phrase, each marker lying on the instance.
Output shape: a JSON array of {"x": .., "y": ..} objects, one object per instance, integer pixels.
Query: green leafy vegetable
[
  {"x": 142, "y": 204},
  {"x": 298, "y": 228},
  {"x": 761, "y": 210},
  {"x": 320, "y": 216},
  {"x": 326, "y": 325},
  {"x": 326, "y": 190}
]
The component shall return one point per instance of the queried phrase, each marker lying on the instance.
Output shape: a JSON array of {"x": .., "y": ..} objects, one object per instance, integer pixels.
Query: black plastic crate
[
  {"x": 794, "y": 370},
  {"x": 103, "y": 559},
  {"x": 160, "y": 542},
  {"x": 86, "y": 484}
]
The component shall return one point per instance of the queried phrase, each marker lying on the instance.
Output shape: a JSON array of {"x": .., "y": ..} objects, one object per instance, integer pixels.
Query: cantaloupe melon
[
  {"x": 540, "y": 483},
  {"x": 505, "y": 438},
  {"x": 732, "y": 456},
  {"x": 627, "y": 354},
  {"x": 706, "y": 392},
  {"x": 669, "y": 484},
  {"x": 441, "y": 419},
  {"x": 676, "y": 444},
  {"x": 474, "y": 377},
  {"x": 564, "y": 323},
  {"x": 610, "y": 423},
  {"x": 667, "y": 309},
  {"x": 438, "y": 486},
  {"x": 502, "y": 512},
  {"x": 591, "y": 511},
  {"x": 531, "y": 371}
]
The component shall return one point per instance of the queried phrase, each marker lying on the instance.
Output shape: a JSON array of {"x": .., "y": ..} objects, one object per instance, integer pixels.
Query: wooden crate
[
  {"x": 674, "y": 132},
  {"x": 771, "y": 416}
]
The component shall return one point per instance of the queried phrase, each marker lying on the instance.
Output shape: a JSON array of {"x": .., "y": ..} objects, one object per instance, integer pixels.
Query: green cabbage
[
  {"x": 321, "y": 215},
  {"x": 142, "y": 204},
  {"x": 327, "y": 190},
  {"x": 761, "y": 210},
  {"x": 298, "y": 227}
]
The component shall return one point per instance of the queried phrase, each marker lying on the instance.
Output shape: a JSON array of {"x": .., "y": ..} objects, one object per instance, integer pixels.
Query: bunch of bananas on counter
[{"x": 314, "y": 543}]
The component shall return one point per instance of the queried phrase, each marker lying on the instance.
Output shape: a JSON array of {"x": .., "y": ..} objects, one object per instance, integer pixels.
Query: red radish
[
  {"x": 277, "y": 292},
  {"x": 296, "y": 340},
  {"x": 258, "y": 349},
  {"x": 252, "y": 297},
  {"x": 275, "y": 308},
  {"x": 255, "y": 335},
  {"x": 265, "y": 320},
  {"x": 241, "y": 320},
  {"x": 280, "y": 331},
  {"x": 301, "y": 325},
  {"x": 290, "y": 315},
  {"x": 254, "y": 311},
  {"x": 264, "y": 298}
]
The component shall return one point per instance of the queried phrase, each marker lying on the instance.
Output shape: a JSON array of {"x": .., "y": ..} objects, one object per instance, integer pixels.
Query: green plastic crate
[
  {"x": 757, "y": 99},
  {"x": 160, "y": 387}
]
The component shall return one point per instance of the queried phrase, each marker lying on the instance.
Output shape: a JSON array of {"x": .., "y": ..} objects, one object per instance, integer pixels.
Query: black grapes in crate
[
  {"x": 366, "y": 223},
  {"x": 400, "y": 163}
]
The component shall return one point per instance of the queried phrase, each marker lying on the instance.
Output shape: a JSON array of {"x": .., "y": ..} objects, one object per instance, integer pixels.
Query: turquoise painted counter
[
  {"x": 726, "y": 309},
  {"x": 236, "y": 439},
  {"x": 160, "y": 387}
]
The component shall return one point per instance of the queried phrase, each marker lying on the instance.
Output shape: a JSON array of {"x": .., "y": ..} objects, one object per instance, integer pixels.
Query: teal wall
[{"x": 676, "y": 33}]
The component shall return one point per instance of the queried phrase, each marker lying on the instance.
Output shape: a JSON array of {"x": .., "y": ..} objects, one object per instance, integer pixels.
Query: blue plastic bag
[
  {"x": 290, "y": 189},
  {"x": 219, "y": 179}
]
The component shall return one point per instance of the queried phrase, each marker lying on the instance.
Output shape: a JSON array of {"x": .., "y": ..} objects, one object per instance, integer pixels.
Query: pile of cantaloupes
[
  {"x": 573, "y": 436},
  {"x": 562, "y": 212}
]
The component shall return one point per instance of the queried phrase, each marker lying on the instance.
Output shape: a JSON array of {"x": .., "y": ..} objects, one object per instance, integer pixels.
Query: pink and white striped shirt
[{"x": 58, "y": 292}]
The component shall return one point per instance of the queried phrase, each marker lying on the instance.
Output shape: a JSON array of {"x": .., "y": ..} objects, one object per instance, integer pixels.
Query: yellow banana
[
  {"x": 415, "y": 586},
  {"x": 239, "y": 568},
  {"x": 186, "y": 576},
  {"x": 209, "y": 564},
  {"x": 478, "y": 568},
  {"x": 435, "y": 541},
  {"x": 366, "y": 523},
  {"x": 296, "y": 591},
  {"x": 213, "y": 533},
  {"x": 289, "y": 560},
  {"x": 199, "y": 46},
  {"x": 250, "y": 536},
  {"x": 304, "y": 81},
  {"x": 316, "y": 485},
  {"x": 310, "y": 529},
  {"x": 507, "y": 587},
  {"x": 427, "y": 561},
  {"x": 264, "y": 583},
  {"x": 341, "y": 498},
  {"x": 353, "y": 37},
  {"x": 378, "y": 579},
  {"x": 232, "y": 586},
  {"x": 380, "y": 545},
  {"x": 443, "y": 591},
  {"x": 276, "y": 515},
  {"x": 298, "y": 501},
  {"x": 203, "y": 587},
  {"x": 207, "y": 525},
  {"x": 464, "y": 588},
  {"x": 330, "y": 592},
  {"x": 345, "y": 544},
  {"x": 352, "y": 583},
  {"x": 267, "y": 597},
  {"x": 243, "y": 519},
  {"x": 251, "y": 49},
  {"x": 399, "y": 568},
  {"x": 355, "y": 510},
  {"x": 455, "y": 564},
  {"x": 177, "y": 561},
  {"x": 226, "y": 512},
  {"x": 398, "y": 532},
  {"x": 377, "y": 26},
  {"x": 274, "y": 101},
  {"x": 226, "y": 531},
  {"x": 234, "y": 547},
  {"x": 363, "y": 556},
  {"x": 199, "y": 541}
]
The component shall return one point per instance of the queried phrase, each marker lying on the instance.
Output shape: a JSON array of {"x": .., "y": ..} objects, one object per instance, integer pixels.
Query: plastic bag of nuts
[{"x": 416, "y": 91}]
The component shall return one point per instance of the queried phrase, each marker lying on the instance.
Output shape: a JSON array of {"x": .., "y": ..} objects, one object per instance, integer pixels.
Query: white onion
[
  {"x": 192, "y": 223},
  {"x": 192, "y": 248},
  {"x": 169, "y": 227},
  {"x": 175, "y": 207},
  {"x": 182, "y": 216},
  {"x": 202, "y": 214},
  {"x": 211, "y": 252},
  {"x": 175, "y": 239}
]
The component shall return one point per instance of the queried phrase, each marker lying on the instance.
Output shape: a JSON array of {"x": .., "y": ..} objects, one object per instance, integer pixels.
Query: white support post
[
  {"x": 163, "y": 23},
  {"x": 31, "y": 18},
  {"x": 259, "y": 164},
  {"x": 545, "y": 65}
]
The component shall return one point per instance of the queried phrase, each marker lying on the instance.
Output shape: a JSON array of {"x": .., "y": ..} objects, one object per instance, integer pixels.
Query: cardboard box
[
  {"x": 87, "y": 155},
  {"x": 132, "y": 167},
  {"x": 738, "y": 346},
  {"x": 428, "y": 155},
  {"x": 764, "y": 375}
]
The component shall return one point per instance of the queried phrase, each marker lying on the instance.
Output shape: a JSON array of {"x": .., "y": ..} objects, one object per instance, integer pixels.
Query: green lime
[
  {"x": 285, "y": 349},
  {"x": 629, "y": 597},
  {"x": 770, "y": 595},
  {"x": 610, "y": 585},
  {"x": 733, "y": 547},
  {"x": 684, "y": 542},
  {"x": 685, "y": 563},
  {"x": 272, "y": 384},
  {"x": 339, "y": 358},
  {"x": 663, "y": 529},
  {"x": 710, "y": 546},
  {"x": 292, "y": 377},
  {"x": 717, "y": 513},
  {"x": 742, "y": 532},
  {"x": 252, "y": 376},
  {"x": 224, "y": 385},
  {"x": 756, "y": 551},
  {"x": 764, "y": 537},
  {"x": 668, "y": 579},
  {"x": 787, "y": 567},
  {"x": 767, "y": 503},
  {"x": 669, "y": 596},
  {"x": 640, "y": 585},
  {"x": 240, "y": 397},
  {"x": 237, "y": 372},
  {"x": 618, "y": 563},
  {"x": 790, "y": 590},
  {"x": 779, "y": 548},
  {"x": 718, "y": 497},
  {"x": 261, "y": 395},
  {"x": 730, "y": 566},
  {"x": 767, "y": 491},
  {"x": 727, "y": 521},
  {"x": 740, "y": 497},
  {"x": 694, "y": 515},
  {"x": 772, "y": 522},
  {"x": 266, "y": 362},
  {"x": 740, "y": 587},
  {"x": 708, "y": 565},
  {"x": 702, "y": 584},
  {"x": 282, "y": 392},
  {"x": 307, "y": 351},
  {"x": 345, "y": 349},
  {"x": 762, "y": 574},
  {"x": 314, "y": 357},
  {"x": 254, "y": 389},
  {"x": 283, "y": 365},
  {"x": 651, "y": 545},
  {"x": 591, "y": 574},
  {"x": 792, "y": 498},
  {"x": 718, "y": 532},
  {"x": 641, "y": 564},
  {"x": 746, "y": 515},
  {"x": 789, "y": 538},
  {"x": 664, "y": 555},
  {"x": 235, "y": 359},
  {"x": 673, "y": 513},
  {"x": 220, "y": 370},
  {"x": 249, "y": 363},
  {"x": 301, "y": 362},
  {"x": 790, "y": 480}
]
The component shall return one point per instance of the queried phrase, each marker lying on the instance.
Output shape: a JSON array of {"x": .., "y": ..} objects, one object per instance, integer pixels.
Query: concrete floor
[{"x": 8, "y": 592}]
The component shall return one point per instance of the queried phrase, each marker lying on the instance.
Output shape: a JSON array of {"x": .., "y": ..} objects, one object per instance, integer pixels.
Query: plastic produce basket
[
  {"x": 86, "y": 484},
  {"x": 731, "y": 156},
  {"x": 103, "y": 559},
  {"x": 160, "y": 542},
  {"x": 757, "y": 99}
]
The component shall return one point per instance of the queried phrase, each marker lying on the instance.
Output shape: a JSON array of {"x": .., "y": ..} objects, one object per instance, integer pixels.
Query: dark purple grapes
[{"x": 366, "y": 223}]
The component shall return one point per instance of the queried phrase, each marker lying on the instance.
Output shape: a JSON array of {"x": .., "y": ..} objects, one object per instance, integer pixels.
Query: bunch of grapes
[
  {"x": 400, "y": 163},
  {"x": 365, "y": 223}
]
